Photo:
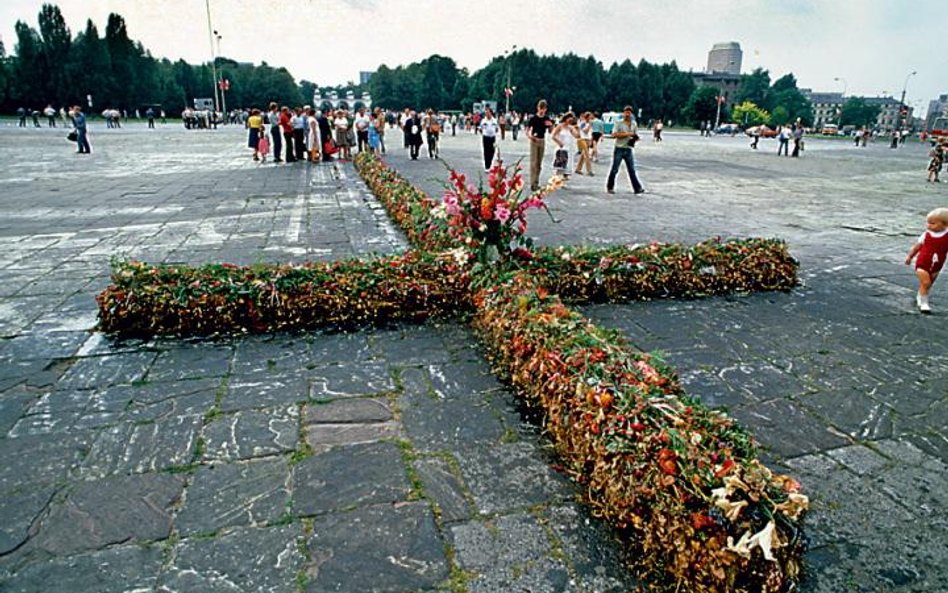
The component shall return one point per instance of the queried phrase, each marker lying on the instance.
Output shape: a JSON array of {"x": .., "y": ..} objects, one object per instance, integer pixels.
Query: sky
[{"x": 860, "y": 47}]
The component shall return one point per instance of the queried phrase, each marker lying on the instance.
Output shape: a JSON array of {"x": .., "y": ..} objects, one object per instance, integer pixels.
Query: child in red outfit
[{"x": 931, "y": 249}]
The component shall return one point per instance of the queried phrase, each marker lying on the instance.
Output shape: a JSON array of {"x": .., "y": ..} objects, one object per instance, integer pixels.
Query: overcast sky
[{"x": 872, "y": 44}]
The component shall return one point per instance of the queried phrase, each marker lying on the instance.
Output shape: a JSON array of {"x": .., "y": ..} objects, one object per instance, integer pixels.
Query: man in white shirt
[{"x": 361, "y": 124}]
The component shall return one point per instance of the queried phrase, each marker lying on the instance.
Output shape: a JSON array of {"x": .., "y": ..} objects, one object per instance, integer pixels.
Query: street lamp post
[
  {"x": 221, "y": 83},
  {"x": 842, "y": 97},
  {"x": 902, "y": 100},
  {"x": 210, "y": 39},
  {"x": 508, "y": 90}
]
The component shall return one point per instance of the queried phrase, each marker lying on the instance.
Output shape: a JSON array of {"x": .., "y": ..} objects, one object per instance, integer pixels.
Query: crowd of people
[{"x": 305, "y": 134}]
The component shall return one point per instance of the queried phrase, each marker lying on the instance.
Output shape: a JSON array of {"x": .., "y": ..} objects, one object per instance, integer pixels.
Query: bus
[{"x": 939, "y": 128}]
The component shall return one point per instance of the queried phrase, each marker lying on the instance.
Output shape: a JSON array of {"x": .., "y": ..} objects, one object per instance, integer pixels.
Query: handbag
[
  {"x": 560, "y": 158},
  {"x": 329, "y": 148},
  {"x": 72, "y": 136}
]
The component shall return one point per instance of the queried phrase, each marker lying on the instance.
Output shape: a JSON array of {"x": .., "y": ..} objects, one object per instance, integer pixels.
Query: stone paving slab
[{"x": 840, "y": 381}]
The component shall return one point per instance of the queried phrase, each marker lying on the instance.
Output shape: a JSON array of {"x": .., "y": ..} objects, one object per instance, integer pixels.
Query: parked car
[
  {"x": 765, "y": 132},
  {"x": 728, "y": 129}
]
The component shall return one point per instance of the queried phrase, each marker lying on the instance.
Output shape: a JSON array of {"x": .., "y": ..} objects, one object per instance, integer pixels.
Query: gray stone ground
[{"x": 392, "y": 460}]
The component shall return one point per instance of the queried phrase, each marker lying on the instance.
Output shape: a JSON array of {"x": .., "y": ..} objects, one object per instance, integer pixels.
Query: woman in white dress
[
  {"x": 565, "y": 134},
  {"x": 314, "y": 141}
]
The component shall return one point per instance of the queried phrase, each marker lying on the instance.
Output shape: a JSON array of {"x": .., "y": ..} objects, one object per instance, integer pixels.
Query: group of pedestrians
[{"x": 304, "y": 134}]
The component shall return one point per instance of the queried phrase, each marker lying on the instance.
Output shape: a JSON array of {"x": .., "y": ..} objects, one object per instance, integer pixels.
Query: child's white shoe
[{"x": 923, "y": 305}]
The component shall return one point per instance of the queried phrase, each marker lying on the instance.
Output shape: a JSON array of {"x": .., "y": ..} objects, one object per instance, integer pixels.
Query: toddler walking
[{"x": 929, "y": 253}]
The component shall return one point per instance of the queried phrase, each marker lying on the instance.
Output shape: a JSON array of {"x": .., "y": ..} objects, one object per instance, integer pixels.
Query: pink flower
[{"x": 501, "y": 213}]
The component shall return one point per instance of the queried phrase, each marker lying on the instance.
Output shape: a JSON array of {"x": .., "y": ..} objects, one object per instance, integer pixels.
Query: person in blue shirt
[{"x": 82, "y": 137}]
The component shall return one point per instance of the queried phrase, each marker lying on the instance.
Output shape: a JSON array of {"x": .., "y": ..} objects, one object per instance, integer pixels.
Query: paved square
[{"x": 391, "y": 460}]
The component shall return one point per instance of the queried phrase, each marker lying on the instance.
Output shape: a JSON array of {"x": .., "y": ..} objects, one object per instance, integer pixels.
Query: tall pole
[
  {"x": 902, "y": 100},
  {"x": 508, "y": 88},
  {"x": 839, "y": 115},
  {"x": 210, "y": 39},
  {"x": 222, "y": 85}
]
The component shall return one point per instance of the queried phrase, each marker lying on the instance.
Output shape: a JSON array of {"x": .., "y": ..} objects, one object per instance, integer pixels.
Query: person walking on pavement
[
  {"x": 82, "y": 133},
  {"x": 537, "y": 127},
  {"x": 625, "y": 132},
  {"x": 489, "y": 127},
  {"x": 931, "y": 249}
]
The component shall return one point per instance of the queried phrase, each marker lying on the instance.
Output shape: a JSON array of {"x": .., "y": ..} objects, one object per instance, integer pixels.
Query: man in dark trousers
[
  {"x": 413, "y": 135},
  {"x": 325, "y": 132},
  {"x": 276, "y": 134},
  {"x": 287, "y": 129},
  {"x": 537, "y": 127},
  {"x": 625, "y": 132}
]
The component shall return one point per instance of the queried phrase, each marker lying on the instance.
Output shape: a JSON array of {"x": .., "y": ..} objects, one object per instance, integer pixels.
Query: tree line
[{"x": 51, "y": 66}]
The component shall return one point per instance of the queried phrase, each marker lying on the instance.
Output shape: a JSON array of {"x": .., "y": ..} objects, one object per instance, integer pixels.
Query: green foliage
[
  {"x": 780, "y": 116},
  {"x": 749, "y": 114},
  {"x": 701, "y": 106},
  {"x": 754, "y": 87},
  {"x": 856, "y": 112}
]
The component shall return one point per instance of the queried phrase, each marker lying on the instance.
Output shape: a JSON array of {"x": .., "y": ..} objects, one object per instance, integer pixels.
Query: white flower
[
  {"x": 566, "y": 256},
  {"x": 765, "y": 539},
  {"x": 459, "y": 254},
  {"x": 440, "y": 211}
]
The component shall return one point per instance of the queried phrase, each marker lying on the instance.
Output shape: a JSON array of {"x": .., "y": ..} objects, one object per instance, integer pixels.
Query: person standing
[
  {"x": 298, "y": 122},
  {"x": 379, "y": 122},
  {"x": 657, "y": 130},
  {"x": 489, "y": 127},
  {"x": 82, "y": 133},
  {"x": 286, "y": 127},
  {"x": 625, "y": 132},
  {"x": 598, "y": 127},
  {"x": 433, "y": 133},
  {"x": 537, "y": 127},
  {"x": 50, "y": 113},
  {"x": 756, "y": 136},
  {"x": 413, "y": 134},
  {"x": 797, "y": 139},
  {"x": 341, "y": 125},
  {"x": 150, "y": 114},
  {"x": 565, "y": 135},
  {"x": 784, "y": 138},
  {"x": 276, "y": 136},
  {"x": 254, "y": 131},
  {"x": 21, "y": 113},
  {"x": 514, "y": 125},
  {"x": 327, "y": 148},
  {"x": 361, "y": 124}
]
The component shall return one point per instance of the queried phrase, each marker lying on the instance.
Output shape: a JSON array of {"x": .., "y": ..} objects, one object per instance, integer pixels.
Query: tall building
[
  {"x": 936, "y": 108},
  {"x": 725, "y": 58},
  {"x": 827, "y": 107},
  {"x": 889, "y": 116}
]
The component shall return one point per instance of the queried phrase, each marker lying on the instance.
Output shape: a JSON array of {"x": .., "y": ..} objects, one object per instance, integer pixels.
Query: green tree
[
  {"x": 784, "y": 93},
  {"x": 702, "y": 106},
  {"x": 122, "y": 54},
  {"x": 54, "y": 55},
  {"x": 27, "y": 83},
  {"x": 622, "y": 86},
  {"x": 780, "y": 116},
  {"x": 754, "y": 87},
  {"x": 678, "y": 88},
  {"x": 89, "y": 67},
  {"x": 749, "y": 114},
  {"x": 856, "y": 112}
]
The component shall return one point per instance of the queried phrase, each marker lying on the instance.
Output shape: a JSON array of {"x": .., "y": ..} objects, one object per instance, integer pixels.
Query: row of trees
[{"x": 51, "y": 66}]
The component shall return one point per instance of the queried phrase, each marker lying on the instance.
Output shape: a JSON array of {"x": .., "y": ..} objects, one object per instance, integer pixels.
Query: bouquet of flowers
[{"x": 492, "y": 220}]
